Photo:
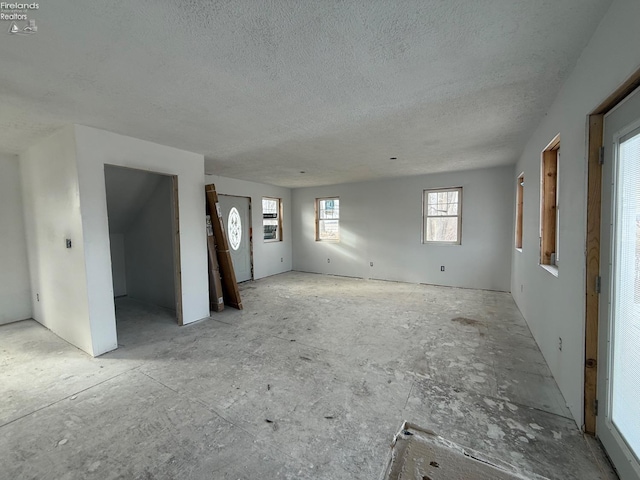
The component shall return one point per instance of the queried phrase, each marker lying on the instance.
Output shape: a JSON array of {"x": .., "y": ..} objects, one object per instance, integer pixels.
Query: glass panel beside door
[
  {"x": 618, "y": 420},
  {"x": 625, "y": 310}
]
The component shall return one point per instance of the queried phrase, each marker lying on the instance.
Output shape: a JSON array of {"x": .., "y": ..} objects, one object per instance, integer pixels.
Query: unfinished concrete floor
[{"x": 311, "y": 380}]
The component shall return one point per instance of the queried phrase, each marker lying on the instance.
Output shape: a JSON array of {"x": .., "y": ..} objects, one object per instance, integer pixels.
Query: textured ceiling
[{"x": 268, "y": 89}]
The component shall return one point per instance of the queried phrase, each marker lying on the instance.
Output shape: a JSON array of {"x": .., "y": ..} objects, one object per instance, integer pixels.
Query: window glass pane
[
  {"x": 442, "y": 203},
  {"x": 329, "y": 209},
  {"x": 270, "y": 218},
  {"x": 328, "y": 230},
  {"x": 442, "y": 229},
  {"x": 269, "y": 205},
  {"x": 626, "y": 312}
]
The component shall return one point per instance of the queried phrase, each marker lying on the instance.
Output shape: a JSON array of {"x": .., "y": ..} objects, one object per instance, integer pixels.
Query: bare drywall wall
[
  {"x": 554, "y": 307},
  {"x": 118, "y": 264},
  {"x": 381, "y": 223},
  {"x": 97, "y": 148},
  {"x": 15, "y": 288},
  {"x": 269, "y": 258},
  {"x": 52, "y": 215},
  {"x": 149, "y": 249}
]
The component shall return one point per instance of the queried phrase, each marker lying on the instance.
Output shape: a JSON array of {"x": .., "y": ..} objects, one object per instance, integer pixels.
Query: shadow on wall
[{"x": 140, "y": 207}]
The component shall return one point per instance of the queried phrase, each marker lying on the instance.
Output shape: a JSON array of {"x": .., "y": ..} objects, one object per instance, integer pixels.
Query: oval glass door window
[{"x": 234, "y": 227}]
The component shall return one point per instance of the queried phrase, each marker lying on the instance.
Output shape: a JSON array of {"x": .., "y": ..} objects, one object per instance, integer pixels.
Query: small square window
[
  {"x": 442, "y": 221},
  {"x": 272, "y": 219},
  {"x": 328, "y": 219}
]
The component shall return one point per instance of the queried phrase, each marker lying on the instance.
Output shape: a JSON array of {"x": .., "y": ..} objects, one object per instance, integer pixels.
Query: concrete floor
[{"x": 311, "y": 380}]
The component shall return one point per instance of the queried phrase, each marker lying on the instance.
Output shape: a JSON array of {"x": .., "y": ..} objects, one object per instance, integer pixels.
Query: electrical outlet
[
  {"x": 37, "y": 297},
  {"x": 68, "y": 242},
  {"x": 281, "y": 259},
  {"x": 521, "y": 287},
  {"x": 328, "y": 260},
  {"x": 442, "y": 268},
  {"x": 560, "y": 343},
  {"x": 371, "y": 264}
]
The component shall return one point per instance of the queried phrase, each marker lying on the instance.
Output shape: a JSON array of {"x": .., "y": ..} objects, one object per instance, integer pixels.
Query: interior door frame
[
  {"x": 175, "y": 225},
  {"x": 177, "y": 266},
  {"x": 594, "y": 207},
  {"x": 250, "y": 227}
]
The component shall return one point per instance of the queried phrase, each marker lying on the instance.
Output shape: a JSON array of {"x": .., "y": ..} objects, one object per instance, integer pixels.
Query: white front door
[
  {"x": 236, "y": 214},
  {"x": 618, "y": 424}
]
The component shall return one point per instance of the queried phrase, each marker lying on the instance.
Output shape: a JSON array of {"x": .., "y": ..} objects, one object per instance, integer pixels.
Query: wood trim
[
  {"x": 594, "y": 201},
  {"x": 229, "y": 283},
  {"x": 317, "y": 218},
  {"x": 548, "y": 230},
  {"x": 251, "y": 232},
  {"x": 177, "y": 266},
  {"x": 519, "y": 210},
  {"x": 554, "y": 144},
  {"x": 280, "y": 216},
  {"x": 216, "y": 297},
  {"x": 629, "y": 85}
]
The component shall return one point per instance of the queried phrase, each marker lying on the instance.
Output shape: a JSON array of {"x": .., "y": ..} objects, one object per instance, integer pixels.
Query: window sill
[
  {"x": 518, "y": 249},
  {"x": 552, "y": 269}
]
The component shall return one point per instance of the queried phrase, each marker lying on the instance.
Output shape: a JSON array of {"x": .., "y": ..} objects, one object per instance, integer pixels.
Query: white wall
[
  {"x": 149, "y": 250},
  {"x": 97, "y": 148},
  {"x": 15, "y": 288},
  {"x": 118, "y": 264},
  {"x": 381, "y": 222},
  {"x": 52, "y": 214},
  {"x": 267, "y": 256},
  {"x": 555, "y": 307}
]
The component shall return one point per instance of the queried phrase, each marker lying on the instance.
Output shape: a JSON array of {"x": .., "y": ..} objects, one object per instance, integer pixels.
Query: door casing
[
  {"x": 594, "y": 208},
  {"x": 221, "y": 200}
]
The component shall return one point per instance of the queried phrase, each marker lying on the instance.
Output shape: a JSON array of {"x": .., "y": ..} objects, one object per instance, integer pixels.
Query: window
[
  {"x": 549, "y": 208},
  {"x": 272, "y": 219},
  {"x": 443, "y": 216},
  {"x": 519, "y": 209},
  {"x": 328, "y": 219}
]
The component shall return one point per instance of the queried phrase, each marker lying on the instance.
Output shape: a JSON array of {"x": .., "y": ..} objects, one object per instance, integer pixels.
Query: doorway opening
[{"x": 142, "y": 212}]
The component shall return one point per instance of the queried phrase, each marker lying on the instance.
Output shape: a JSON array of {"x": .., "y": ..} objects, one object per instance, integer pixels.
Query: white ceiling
[{"x": 268, "y": 89}]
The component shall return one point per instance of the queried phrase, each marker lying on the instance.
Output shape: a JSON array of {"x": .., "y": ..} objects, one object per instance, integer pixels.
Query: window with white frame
[
  {"x": 442, "y": 222},
  {"x": 328, "y": 219},
  {"x": 272, "y": 219}
]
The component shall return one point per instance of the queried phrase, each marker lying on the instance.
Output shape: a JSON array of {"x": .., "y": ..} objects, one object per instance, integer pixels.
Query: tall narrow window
[
  {"x": 519, "y": 209},
  {"x": 442, "y": 222},
  {"x": 272, "y": 219},
  {"x": 328, "y": 219},
  {"x": 549, "y": 238}
]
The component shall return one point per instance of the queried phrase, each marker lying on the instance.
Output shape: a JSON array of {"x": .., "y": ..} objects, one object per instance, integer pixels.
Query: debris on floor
[{"x": 420, "y": 454}]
